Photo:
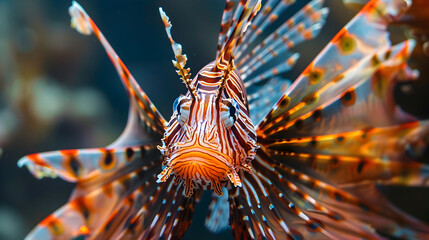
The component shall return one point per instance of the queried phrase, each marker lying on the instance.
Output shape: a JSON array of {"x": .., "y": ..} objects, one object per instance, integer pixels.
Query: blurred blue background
[{"x": 58, "y": 90}]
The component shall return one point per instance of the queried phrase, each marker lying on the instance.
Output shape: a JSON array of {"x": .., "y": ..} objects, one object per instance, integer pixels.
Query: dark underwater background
[{"x": 58, "y": 89}]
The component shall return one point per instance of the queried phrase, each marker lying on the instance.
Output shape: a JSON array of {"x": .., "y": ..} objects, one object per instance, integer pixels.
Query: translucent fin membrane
[
  {"x": 96, "y": 196},
  {"x": 239, "y": 26},
  {"x": 76, "y": 165},
  {"x": 363, "y": 36},
  {"x": 116, "y": 194},
  {"x": 309, "y": 15},
  {"x": 272, "y": 17},
  {"x": 266, "y": 96},
  {"x": 274, "y": 49},
  {"x": 266, "y": 10},
  {"x": 279, "y": 202},
  {"x": 296, "y": 36},
  {"x": 344, "y": 89},
  {"x": 225, "y": 24},
  {"x": 147, "y": 111},
  {"x": 332, "y": 137},
  {"x": 275, "y": 71},
  {"x": 218, "y": 216}
]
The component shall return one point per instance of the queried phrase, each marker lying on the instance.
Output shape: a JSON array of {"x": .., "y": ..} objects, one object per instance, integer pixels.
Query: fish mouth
[{"x": 200, "y": 168}]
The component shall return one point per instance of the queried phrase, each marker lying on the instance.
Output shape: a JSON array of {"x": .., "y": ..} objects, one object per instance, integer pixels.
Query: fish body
[
  {"x": 208, "y": 141},
  {"x": 307, "y": 169}
]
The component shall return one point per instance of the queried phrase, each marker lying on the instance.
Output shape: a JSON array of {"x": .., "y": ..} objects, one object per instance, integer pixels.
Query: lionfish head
[{"x": 209, "y": 138}]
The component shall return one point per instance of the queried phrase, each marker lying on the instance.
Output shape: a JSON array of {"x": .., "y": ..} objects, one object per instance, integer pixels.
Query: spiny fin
[
  {"x": 92, "y": 201},
  {"x": 364, "y": 88},
  {"x": 264, "y": 98},
  {"x": 181, "y": 59},
  {"x": 273, "y": 15},
  {"x": 228, "y": 50},
  {"x": 280, "y": 202},
  {"x": 225, "y": 24},
  {"x": 363, "y": 36},
  {"x": 146, "y": 110},
  {"x": 218, "y": 215}
]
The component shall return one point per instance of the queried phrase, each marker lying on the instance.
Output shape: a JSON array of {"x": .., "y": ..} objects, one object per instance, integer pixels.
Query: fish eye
[
  {"x": 229, "y": 112},
  {"x": 181, "y": 108},
  {"x": 176, "y": 105}
]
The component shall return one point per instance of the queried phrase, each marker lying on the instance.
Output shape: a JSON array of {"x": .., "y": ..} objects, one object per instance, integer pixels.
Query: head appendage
[{"x": 181, "y": 59}]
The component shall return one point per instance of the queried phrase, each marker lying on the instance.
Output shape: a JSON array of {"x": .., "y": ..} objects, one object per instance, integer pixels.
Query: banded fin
[
  {"x": 149, "y": 217},
  {"x": 273, "y": 72},
  {"x": 78, "y": 165},
  {"x": 146, "y": 110},
  {"x": 266, "y": 10},
  {"x": 364, "y": 35},
  {"x": 309, "y": 15},
  {"x": 365, "y": 87},
  {"x": 218, "y": 215},
  {"x": 280, "y": 202},
  {"x": 92, "y": 201},
  {"x": 227, "y": 52},
  {"x": 122, "y": 201},
  {"x": 271, "y": 17},
  {"x": 273, "y": 50},
  {"x": 266, "y": 96},
  {"x": 226, "y": 24},
  {"x": 297, "y": 35}
]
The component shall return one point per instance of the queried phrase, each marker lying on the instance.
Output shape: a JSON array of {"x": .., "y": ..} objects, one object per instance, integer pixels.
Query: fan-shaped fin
[
  {"x": 94, "y": 200},
  {"x": 393, "y": 142},
  {"x": 123, "y": 202},
  {"x": 273, "y": 14},
  {"x": 309, "y": 15},
  {"x": 266, "y": 95},
  {"x": 146, "y": 110},
  {"x": 273, "y": 72},
  {"x": 218, "y": 215},
  {"x": 227, "y": 52},
  {"x": 163, "y": 212},
  {"x": 363, "y": 36},
  {"x": 295, "y": 36},
  {"x": 266, "y": 10},
  {"x": 279, "y": 201},
  {"x": 76, "y": 165},
  {"x": 372, "y": 80},
  {"x": 225, "y": 24}
]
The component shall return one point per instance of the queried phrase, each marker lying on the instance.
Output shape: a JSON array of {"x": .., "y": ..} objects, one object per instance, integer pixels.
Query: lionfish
[{"x": 307, "y": 170}]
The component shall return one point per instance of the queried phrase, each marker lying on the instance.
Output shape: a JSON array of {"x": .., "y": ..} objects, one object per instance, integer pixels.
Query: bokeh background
[{"x": 58, "y": 90}]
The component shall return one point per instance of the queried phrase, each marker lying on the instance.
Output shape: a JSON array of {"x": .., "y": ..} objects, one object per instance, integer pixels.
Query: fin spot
[
  {"x": 311, "y": 98},
  {"x": 347, "y": 44},
  {"x": 349, "y": 97},
  {"x": 129, "y": 152},
  {"x": 317, "y": 115},
  {"x": 108, "y": 160},
  {"x": 284, "y": 102},
  {"x": 315, "y": 75}
]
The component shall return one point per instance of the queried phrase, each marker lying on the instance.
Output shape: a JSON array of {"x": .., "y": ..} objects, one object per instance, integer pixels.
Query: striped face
[{"x": 209, "y": 139}]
